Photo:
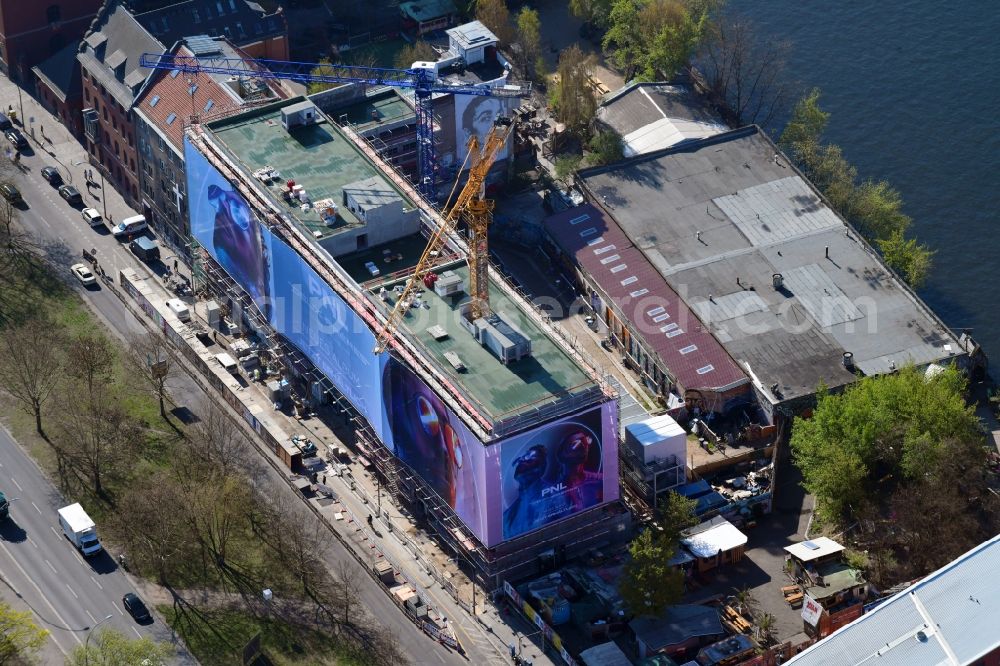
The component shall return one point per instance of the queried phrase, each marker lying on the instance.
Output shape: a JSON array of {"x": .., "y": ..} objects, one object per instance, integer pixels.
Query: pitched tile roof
[{"x": 643, "y": 296}]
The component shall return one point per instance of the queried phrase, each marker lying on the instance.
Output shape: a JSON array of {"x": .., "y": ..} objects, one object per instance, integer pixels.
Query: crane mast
[{"x": 477, "y": 211}]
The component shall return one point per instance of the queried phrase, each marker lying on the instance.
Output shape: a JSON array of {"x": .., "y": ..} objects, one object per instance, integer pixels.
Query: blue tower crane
[{"x": 422, "y": 78}]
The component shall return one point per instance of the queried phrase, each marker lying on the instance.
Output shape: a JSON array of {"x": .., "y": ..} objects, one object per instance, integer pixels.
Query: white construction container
[{"x": 657, "y": 438}]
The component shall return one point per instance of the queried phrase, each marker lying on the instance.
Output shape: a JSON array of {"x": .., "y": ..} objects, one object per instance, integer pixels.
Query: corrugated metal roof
[{"x": 950, "y": 617}]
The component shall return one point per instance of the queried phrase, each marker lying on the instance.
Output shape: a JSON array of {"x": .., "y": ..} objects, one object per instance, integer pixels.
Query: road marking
[
  {"x": 137, "y": 634},
  {"x": 120, "y": 611},
  {"x": 51, "y": 567},
  {"x": 17, "y": 484},
  {"x": 53, "y": 530},
  {"x": 32, "y": 542},
  {"x": 96, "y": 583},
  {"x": 36, "y": 508},
  {"x": 75, "y": 595},
  {"x": 92, "y": 618},
  {"x": 45, "y": 599}
]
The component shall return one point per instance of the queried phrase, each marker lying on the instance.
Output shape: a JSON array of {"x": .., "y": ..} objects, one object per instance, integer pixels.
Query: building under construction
[{"x": 479, "y": 416}]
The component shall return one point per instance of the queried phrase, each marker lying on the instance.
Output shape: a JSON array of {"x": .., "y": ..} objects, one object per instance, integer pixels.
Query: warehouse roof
[
  {"x": 720, "y": 217},
  {"x": 653, "y": 116}
]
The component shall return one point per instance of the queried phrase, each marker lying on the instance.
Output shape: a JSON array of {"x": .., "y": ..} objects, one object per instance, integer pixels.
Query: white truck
[{"x": 79, "y": 529}]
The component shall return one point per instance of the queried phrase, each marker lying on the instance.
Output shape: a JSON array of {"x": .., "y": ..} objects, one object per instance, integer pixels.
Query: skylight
[
  {"x": 171, "y": 118},
  {"x": 153, "y": 102},
  {"x": 209, "y": 104},
  {"x": 174, "y": 73}
]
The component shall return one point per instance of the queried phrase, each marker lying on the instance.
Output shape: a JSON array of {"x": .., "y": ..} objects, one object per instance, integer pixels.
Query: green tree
[
  {"x": 623, "y": 37},
  {"x": 573, "y": 98},
  {"x": 566, "y": 165},
  {"x": 672, "y": 46},
  {"x": 675, "y": 513},
  {"x": 529, "y": 39},
  {"x": 594, "y": 12},
  {"x": 606, "y": 148},
  {"x": 907, "y": 257},
  {"x": 20, "y": 637},
  {"x": 113, "y": 648},
  {"x": 805, "y": 128},
  {"x": 882, "y": 429},
  {"x": 875, "y": 208},
  {"x": 648, "y": 583},
  {"x": 495, "y": 16},
  {"x": 416, "y": 52}
]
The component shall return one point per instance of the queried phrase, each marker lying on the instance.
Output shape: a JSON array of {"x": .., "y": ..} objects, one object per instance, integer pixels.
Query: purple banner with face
[{"x": 558, "y": 469}]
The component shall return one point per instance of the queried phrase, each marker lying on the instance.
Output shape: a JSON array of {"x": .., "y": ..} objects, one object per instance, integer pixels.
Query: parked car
[
  {"x": 5, "y": 123},
  {"x": 133, "y": 604},
  {"x": 84, "y": 274},
  {"x": 71, "y": 195},
  {"x": 17, "y": 139},
  {"x": 145, "y": 248},
  {"x": 10, "y": 193},
  {"x": 129, "y": 226},
  {"x": 92, "y": 217},
  {"x": 52, "y": 175}
]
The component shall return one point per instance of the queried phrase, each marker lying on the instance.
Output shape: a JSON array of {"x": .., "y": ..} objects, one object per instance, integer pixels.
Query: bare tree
[
  {"x": 31, "y": 364},
  {"x": 217, "y": 441},
  {"x": 90, "y": 359},
  {"x": 572, "y": 96},
  {"x": 98, "y": 440},
  {"x": 151, "y": 359},
  {"x": 151, "y": 520},
  {"x": 347, "y": 591},
  {"x": 745, "y": 74}
]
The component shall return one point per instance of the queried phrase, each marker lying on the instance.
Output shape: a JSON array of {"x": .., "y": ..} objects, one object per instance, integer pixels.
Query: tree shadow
[{"x": 11, "y": 532}]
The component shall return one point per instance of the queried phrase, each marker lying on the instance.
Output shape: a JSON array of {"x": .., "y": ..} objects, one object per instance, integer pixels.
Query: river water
[{"x": 913, "y": 89}]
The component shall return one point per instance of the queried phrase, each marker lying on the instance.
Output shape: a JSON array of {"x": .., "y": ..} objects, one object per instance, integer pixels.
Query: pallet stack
[{"x": 793, "y": 595}]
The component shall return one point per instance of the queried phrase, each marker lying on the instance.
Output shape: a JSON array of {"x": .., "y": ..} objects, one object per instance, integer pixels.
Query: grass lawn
[{"x": 218, "y": 640}]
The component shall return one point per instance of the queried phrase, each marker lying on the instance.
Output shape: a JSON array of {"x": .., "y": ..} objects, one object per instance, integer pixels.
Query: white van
[
  {"x": 129, "y": 226},
  {"x": 179, "y": 308}
]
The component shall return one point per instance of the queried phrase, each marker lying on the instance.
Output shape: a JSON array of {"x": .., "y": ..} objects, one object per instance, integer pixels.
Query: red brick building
[
  {"x": 59, "y": 87},
  {"x": 112, "y": 78},
  {"x": 32, "y": 31}
]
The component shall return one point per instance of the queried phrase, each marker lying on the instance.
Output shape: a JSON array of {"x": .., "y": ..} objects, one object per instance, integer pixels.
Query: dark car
[
  {"x": 10, "y": 193},
  {"x": 5, "y": 123},
  {"x": 133, "y": 604},
  {"x": 16, "y": 138},
  {"x": 70, "y": 194},
  {"x": 52, "y": 175}
]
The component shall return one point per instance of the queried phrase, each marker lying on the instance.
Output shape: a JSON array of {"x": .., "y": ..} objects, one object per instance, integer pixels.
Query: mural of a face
[{"x": 238, "y": 244}]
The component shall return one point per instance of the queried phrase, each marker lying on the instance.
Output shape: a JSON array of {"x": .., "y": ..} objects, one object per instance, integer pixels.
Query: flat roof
[
  {"x": 644, "y": 298},
  {"x": 548, "y": 376},
  {"x": 813, "y": 549},
  {"x": 948, "y": 617},
  {"x": 318, "y": 157},
  {"x": 380, "y": 108},
  {"x": 719, "y": 217},
  {"x": 472, "y": 34}
]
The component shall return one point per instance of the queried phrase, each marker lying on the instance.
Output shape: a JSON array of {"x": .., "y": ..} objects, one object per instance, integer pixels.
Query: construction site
[{"x": 483, "y": 422}]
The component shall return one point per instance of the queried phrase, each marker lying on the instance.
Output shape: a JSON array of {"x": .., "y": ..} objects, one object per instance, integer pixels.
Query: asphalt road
[
  {"x": 63, "y": 235},
  {"x": 69, "y": 595}
]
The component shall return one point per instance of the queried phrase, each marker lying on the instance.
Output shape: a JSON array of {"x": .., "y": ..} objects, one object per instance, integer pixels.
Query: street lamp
[{"x": 86, "y": 643}]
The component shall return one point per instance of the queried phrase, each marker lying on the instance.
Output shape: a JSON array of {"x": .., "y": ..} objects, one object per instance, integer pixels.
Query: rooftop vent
[
  {"x": 849, "y": 360},
  {"x": 778, "y": 280}
]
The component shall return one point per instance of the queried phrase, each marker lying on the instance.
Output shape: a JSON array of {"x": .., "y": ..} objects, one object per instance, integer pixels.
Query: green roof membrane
[
  {"x": 318, "y": 157},
  {"x": 501, "y": 390}
]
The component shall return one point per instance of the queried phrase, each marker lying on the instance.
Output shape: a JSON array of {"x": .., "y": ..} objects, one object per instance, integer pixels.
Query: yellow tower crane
[{"x": 478, "y": 213}]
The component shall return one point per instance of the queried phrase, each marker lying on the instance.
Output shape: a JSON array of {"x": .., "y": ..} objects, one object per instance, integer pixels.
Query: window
[
  {"x": 197, "y": 16},
  {"x": 114, "y": 123},
  {"x": 86, "y": 94},
  {"x": 192, "y": 89},
  {"x": 153, "y": 102},
  {"x": 105, "y": 114},
  {"x": 239, "y": 29},
  {"x": 232, "y": 5},
  {"x": 129, "y": 140},
  {"x": 218, "y": 5},
  {"x": 174, "y": 73},
  {"x": 53, "y": 14},
  {"x": 171, "y": 118},
  {"x": 208, "y": 105}
]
